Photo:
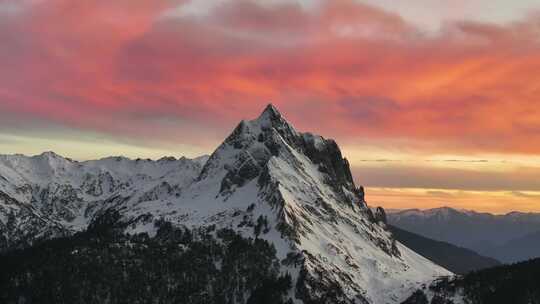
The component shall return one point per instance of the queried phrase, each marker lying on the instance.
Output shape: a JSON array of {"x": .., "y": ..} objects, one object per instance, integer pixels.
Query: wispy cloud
[
  {"x": 499, "y": 202},
  {"x": 412, "y": 176},
  {"x": 526, "y": 194}
]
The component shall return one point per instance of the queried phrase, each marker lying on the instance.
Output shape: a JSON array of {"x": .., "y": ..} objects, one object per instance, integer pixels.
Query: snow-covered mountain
[
  {"x": 297, "y": 184},
  {"x": 485, "y": 233},
  {"x": 46, "y": 196}
]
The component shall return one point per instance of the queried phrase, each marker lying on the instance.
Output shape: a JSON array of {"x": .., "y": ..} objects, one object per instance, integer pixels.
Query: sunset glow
[{"x": 431, "y": 110}]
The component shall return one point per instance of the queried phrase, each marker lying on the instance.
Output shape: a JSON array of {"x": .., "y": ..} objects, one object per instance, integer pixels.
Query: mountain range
[
  {"x": 272, "y": 214},
  {"x": 509, "y": 238}
]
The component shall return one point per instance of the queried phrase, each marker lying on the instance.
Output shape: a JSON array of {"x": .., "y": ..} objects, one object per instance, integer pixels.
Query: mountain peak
[
  {"x": 246, "y": 152},
  {"x": 51, "y": 157},
  {"x": 50, "y": 154},
  {"x": 266, "y": 128},
  {"x": 271, "y": 118},
  {"x": 270, "y": 112}
]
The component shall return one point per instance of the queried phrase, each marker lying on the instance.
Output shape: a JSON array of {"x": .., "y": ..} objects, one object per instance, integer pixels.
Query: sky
[{"x": 434, "y": 103}]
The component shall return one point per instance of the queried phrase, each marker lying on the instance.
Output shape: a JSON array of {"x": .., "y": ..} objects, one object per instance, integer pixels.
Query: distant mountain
[
  {"x": 517, "y": 284},
  {"x": 484, "y": 233},
  {"x": 272, "y": 216},
  {"x": 456, "y": 259},
  {"x": 519, "y": 249}
]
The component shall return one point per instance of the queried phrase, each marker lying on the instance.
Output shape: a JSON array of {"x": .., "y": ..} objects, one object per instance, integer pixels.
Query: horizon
[
  {"x": 431, "y": 106},
  {"x": 389, "y": 198},
  {"x": 368, "y": 189}
]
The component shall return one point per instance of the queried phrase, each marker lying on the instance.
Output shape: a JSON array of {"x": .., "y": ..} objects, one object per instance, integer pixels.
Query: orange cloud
[{"x": 343, "y": 69}]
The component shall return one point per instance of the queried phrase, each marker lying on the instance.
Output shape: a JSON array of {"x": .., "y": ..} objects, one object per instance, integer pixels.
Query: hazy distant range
[{"x": 509, "y": 238}]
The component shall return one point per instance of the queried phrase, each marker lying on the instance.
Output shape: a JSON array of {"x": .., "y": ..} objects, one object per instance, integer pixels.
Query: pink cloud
[{"x": 343, "y": 69}]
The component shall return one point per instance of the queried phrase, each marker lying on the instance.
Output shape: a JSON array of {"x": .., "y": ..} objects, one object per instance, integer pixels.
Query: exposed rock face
[
  {"x": 380, "y": 215},
  {"x": 418, "y": 297},
  {"x": 255, "y": 143},
  {"x": 267, "y": 181}
]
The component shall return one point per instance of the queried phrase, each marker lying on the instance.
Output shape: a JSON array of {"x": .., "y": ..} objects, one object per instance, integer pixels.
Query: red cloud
[{"x": 344, "y": 69}]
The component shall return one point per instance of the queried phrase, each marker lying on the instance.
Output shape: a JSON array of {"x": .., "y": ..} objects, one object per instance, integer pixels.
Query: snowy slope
[
  {"x": 47, "y": 195},
  {"x": 265, "y": 180}
]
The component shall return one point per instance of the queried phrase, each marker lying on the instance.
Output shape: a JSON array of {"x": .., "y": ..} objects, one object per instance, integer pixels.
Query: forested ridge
[
  {"x": 516, "y": 284},
  {"x": 177, "y": 265}
]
